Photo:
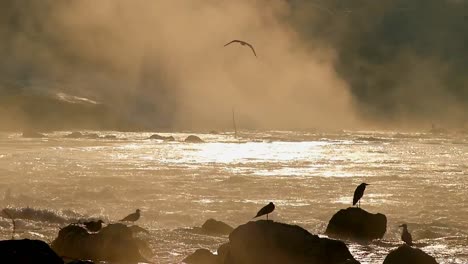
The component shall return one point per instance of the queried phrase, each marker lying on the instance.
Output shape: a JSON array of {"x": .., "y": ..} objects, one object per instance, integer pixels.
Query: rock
[
  {"x": 81, "y": 262},
  {"x": 201, "y": 256},
  {"x": 223, "y": 252},
  {"x": 214, "y": 227},
  {"x": 115, "y": 242},
  {"x": 109, "y": 137},
  {"x": 357, "y": 224},
  {"x": 32, "y": 134},
  {"x": 193, "y": 139},
  {"x": 91, "y": 136},
  {"x": 214, "y": 132},
  {"x": 159, "y": 137},
  {"x": 408, "y": 255},
  {"x": 27, "y": 252},
  {"x": 276, "y": 243},
  {"x": 74, "y": 135}
]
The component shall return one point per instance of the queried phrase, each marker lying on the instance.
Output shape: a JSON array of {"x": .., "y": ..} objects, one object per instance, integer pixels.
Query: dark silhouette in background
[
  {"x": 243, "y": 43},
  {"x": 406, "y": 236},
  {"x": 358, "y": 193},
  {"x": 267, "y": 209},
  {"x": 132, "y": 217}
]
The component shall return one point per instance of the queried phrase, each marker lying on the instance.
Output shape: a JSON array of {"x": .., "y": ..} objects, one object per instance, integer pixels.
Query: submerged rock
[
  {"x": 159, "y": 137},
  {"x": 193, "y": 139},
  {"x": 27, "y": 252},
  {"x": 408, "y": 255},
  {"x": 214, "y": 227},
  {"x": 276, "y": 243},
  {"x": 201, "y": 256},
  {"x": 32, "y": 134},
  {"x": 357, "y": 224},
  {"x": 109, "y": 137},
  {"x": 115, "y": 242},
  {"x": 74, "y": 135}
]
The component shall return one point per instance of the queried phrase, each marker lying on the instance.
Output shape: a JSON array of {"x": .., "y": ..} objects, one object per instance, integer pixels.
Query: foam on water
[{"x": 420, "y": 179}]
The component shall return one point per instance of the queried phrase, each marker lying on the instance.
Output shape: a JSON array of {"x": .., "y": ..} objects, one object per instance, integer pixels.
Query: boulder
[
  {"x": 357, "y": 224},
  {"x": 193, "y": 139},
  {"x": 408, "y": 255},
  {"x": 269, "y": 242},
  {"x": 201, "y": 256},
  {"x": 115, "y": 242},
  {"x": 214, "y": 227},
  {"x": 32, "y": 134},
  {"x": 27, "y": 252},
  {"x": 223, "y": 252}
]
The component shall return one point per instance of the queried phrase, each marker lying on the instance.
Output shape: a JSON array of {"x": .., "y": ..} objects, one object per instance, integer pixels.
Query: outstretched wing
[
  {"x": 233, "y": 42},
  {"x": 252, "y": 48}
]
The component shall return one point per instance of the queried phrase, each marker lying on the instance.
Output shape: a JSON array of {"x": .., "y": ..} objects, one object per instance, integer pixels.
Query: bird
[
  {"x": 132, "y": 217},
  {"x": 406, "y": 236},
  {"x": 93, "y": 226},
  {"x": 243, "y": 43},
  {"x": 267, "y": 209},
  {"x": 358, "y": 193}
]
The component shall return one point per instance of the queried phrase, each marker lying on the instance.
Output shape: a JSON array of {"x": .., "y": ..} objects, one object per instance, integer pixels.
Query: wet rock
[
  {"x": 32, "y": 134},
  {"x": 159, "y": 137},
  {"x": 214, "y": 227},
  {"x": 276, "y": 243},
  {"x": 115, "y": 242},
  {"x": 81, "y": 262},
  {"x": 408, "y": 255},
  {"x": 27, "y": 252},
  {"x": 201, "y": 256},
  {"x": 214, "y": 132},
  {"x": 193, "y": 139},
  {"x": 357, "y": 224},
  {"x": 109, "y": 137},
  {"x": 91, "y": 136},
  {"x": 74, "y": 135},
  {"x": 223, "y": 252}
]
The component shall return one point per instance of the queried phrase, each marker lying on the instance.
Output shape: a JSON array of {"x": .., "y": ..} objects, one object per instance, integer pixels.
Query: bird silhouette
[
  {"x": 406, "y": 236},
  {"x": 132, "y": 217},
  {"x": 358, "y": 193},
  {"x": 243, "y": 43},
  {"x": 93, "y": 226},
  {"x": 267, "y": 209}
]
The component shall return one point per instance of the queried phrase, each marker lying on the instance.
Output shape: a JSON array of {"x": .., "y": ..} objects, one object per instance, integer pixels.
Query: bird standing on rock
[
  {"x": 93, "y": 226},
  {"x": 132, "y": 217},
  {"x": 243, "y": 43},
  {"x": 358, "y": 193},
  {"x": 406, "y": 236},
  {"x": 267, "y": 209}
]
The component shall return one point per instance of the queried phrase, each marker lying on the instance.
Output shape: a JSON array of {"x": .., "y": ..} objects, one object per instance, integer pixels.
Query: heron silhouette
[
  {"x": 93, "y": 226},
  {"x": 132, "y": 217},
  {"x": 267, "y": 209},
  {"x": 243, "y": 43},
  {"x": 406, "y": 235},
  {"x": 358, "y": 193}
]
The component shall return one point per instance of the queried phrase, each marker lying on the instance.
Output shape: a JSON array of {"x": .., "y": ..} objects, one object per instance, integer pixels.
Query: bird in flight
[
  {"x": 358, "y": 193},
  {"x": 267, "y": 209},
  {"x": 132, "y": 217},
  {"x": 243, "y": 43},
  {"x": 406, "y": 236}
]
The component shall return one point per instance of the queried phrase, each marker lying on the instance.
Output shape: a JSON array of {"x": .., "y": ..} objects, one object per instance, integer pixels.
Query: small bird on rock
[
  {"x": 132, "y": 217},
  {"x": 406, "y": 236},
  {"x": 267, "y": 209}
]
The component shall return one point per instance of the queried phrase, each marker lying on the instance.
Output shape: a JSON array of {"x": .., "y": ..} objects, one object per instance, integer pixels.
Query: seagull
[
  {"x": 358, "y": 193},
  {"x": 267, "y": 209},
  {"x": 406, "y": 236},
  {"x": 243, "y": 43},
  {"x": 132, "y": 217},
  {"x": 93, "y": 226}
]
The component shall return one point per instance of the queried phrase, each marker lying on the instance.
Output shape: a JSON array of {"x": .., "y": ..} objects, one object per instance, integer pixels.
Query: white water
[{"x": 419, "y": 179}]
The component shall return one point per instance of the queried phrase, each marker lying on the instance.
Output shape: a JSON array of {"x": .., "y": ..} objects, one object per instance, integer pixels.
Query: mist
[{"x": 163, "y": 65}]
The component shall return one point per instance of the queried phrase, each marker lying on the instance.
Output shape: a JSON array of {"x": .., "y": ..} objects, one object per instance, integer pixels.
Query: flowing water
[{"x": 416, "y": 178}]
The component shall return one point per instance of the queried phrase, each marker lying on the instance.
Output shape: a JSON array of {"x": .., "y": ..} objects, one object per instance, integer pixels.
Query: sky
[{"x": 161, "y": 64}]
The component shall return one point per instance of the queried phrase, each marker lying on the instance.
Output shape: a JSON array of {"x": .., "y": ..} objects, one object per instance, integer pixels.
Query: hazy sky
[{"x": 322, "y": 64}]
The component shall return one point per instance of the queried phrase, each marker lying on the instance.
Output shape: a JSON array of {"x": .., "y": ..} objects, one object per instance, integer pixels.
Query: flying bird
[
  {"x": 93, "y": 226},
  {"x": 358, "y": 193},
  {"x": 243, "y": 43},
  {"x": 406, "y": 236},
  {"x": 267, "y": 209},
  {"x": 132, "y": 217}
]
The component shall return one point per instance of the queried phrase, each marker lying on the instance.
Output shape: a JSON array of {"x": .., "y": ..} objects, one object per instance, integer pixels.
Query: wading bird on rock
[
  {"x": 267, "y": 209},
  {"x": 132, "y": 217},
  {"x": 358, "y": 193},
  {"x": 406, "y": 236}
]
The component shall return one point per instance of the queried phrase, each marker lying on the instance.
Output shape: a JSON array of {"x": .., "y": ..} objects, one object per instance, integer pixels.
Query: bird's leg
[
  {"x": 359, "y": 206},
  {"x": 267, "y": 217}
]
